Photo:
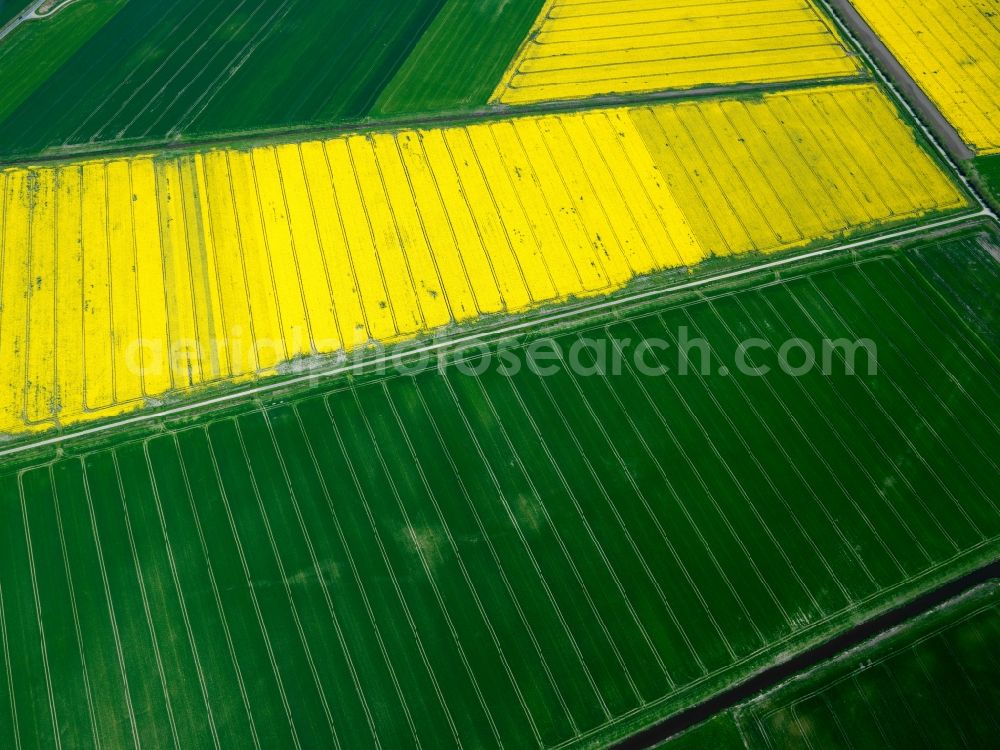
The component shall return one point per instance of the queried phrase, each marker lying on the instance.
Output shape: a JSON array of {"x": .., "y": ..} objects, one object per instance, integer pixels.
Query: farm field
[
  {"x": 156, "y": 70},
  {"x": 498, "y": 374},
  {"x": 952, "y": 49},
  {"x": 455, "y": 66},
  {"x": 154, "y": 275},
  {"x": 939, "y": 667},
  {"x": 579, "y": 49},
  {"x": 410, "y": 558},
  {"x": 452, "y": 67},
  {"x": 988, "y": 169},
  {"x": 37, "y": 49}
]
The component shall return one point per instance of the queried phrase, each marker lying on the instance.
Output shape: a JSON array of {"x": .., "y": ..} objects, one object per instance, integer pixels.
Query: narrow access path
[{"x": 904, "y": 82}]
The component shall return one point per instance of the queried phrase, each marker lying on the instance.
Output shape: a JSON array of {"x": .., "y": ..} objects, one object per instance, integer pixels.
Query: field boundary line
[
  {"x": 455, "y": 118},
  {"x": 495, "y": 333}
]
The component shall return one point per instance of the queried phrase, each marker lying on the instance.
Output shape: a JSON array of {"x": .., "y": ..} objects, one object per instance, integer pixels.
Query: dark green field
[
  {"x": 157, "y": 70},
  {"x": 10, "y": 8},
  {"x": 988, "y": 168},
  {"x": 128, "y": 72},
  {"x": 36, "y": 50},
  {"x": 447, "y": 557},
  {"x": 930, "y": 683}
]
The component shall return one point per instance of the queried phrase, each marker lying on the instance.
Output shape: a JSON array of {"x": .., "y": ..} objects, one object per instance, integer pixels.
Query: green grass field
[
  {"x": 39, "y": 48},
  {"x": 456, "y": 66},
  {"x": 459, "y": 556},
  {"x": 92, "y": 74},
  {"x": 929, "y": 683},
  {"x": 153, "y": 71},
  {"x": 988, "y": 169}
]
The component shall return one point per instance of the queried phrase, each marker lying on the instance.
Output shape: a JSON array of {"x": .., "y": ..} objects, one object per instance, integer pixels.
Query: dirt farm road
[{"x": 925, "y": 108}]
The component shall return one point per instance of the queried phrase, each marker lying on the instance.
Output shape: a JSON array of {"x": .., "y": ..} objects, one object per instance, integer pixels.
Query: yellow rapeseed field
[
  {"x": 128, "y": 280},
  {"x": 952, "y": 49},
  {"x": 583, "y": 48}
]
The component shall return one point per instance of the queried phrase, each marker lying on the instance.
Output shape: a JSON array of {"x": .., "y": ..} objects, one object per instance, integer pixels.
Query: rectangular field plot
[
  {"x": 127, "y": 279},
  {"x": 952, "y": 49},
  {"x": 464, "y": 555},
  {"x": 579, "y": 48}
]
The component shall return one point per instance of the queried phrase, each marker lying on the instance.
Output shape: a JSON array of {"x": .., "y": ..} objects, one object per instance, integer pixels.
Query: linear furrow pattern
[
  {"x": 127, "y": 279},
  {"x": 146, "y": 70},
  {"x": 583, "y": 48},
  {"x": 952, "y": 49},
  {"x": 462, "y": 557}
]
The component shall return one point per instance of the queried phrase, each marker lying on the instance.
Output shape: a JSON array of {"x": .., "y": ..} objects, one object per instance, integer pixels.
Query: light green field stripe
[
  {"x": 373, "y": 572},
  {"x": 212, "y": 635},
  {"x": 9, "y": 496},
  {"x": 73, "y": 701},
  {"x": 112, "y": 713},
  {"x": 260, "y": 652},
  {"x": 27, "y": 652},
  {"x": 460, "y": 59},
  {"x": 131, "y": 629},
  {"x": 182, "y": 662}
]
